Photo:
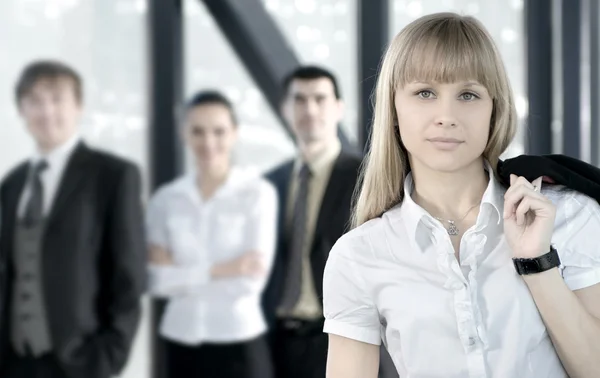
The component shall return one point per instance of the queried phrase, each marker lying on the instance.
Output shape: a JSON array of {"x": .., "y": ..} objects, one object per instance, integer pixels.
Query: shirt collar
[
  {"x": 415, "y": 217},
  {"x": 320, "y": 162},
  {"x": 59, "y": 155},
  {"x": 237, "y": 178}
]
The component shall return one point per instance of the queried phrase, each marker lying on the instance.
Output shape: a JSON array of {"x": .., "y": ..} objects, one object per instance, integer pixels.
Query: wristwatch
[{"x": 539, "y": 264}]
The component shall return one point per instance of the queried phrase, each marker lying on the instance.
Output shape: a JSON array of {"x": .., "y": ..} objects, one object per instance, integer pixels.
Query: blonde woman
[{"x": 434, "y": 265}]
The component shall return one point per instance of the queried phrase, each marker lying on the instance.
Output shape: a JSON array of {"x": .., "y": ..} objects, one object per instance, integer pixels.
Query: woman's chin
[{"x": 446, "y": 163}]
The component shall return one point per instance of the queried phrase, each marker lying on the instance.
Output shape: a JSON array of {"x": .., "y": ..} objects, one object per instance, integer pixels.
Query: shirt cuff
[
  {"x": 365, "y": 335},
  {"x": 583, "y": 279}
]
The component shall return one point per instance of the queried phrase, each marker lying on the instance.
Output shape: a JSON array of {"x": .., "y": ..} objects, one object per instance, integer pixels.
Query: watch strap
[{"x": 539, "y": 264}]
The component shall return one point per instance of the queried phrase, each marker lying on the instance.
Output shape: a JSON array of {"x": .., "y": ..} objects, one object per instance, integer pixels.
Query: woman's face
[
  {"x": 444, "y": 127},
  {"x": 210, "y": 133}
]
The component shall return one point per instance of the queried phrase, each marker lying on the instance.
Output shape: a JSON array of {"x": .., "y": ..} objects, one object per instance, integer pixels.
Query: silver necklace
[{"x": 452, "y": 229}]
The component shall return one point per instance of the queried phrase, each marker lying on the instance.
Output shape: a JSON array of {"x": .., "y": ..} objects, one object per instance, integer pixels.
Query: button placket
[
  {"x": 479, "y": 241},
  {"x": 202, "y": 249},
  {"x": 447, "y": 262},
  {"x": 463, "y": 303},
  {"x": 468, "y": 316},
  {"x": 464, "y": 318}
]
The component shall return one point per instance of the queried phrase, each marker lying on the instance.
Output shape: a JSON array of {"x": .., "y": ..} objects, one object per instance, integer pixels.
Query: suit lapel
[
  {"x": 13, "y": 198},
  {"x": 71, "y": 179},
  {"x": 15, "y": 191}
]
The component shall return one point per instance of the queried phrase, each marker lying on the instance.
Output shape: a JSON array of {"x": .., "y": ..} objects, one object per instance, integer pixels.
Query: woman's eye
[
  {"x": 468, "y": 96},
  {"x": 425, "y": 94}
]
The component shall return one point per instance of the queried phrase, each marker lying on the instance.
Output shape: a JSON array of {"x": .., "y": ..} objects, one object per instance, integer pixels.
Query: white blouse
[
  {"x": 396, "y": 279},
  {"x": 240, "y": 217}
]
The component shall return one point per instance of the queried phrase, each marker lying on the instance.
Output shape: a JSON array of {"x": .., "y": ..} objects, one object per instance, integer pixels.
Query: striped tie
[{"x": 293, "y": 281}]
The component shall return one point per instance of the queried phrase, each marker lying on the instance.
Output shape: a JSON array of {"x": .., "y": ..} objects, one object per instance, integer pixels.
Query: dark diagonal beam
[{"x": 260, "y": 45}]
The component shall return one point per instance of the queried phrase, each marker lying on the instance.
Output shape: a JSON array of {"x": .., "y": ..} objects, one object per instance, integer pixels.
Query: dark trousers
[
  {"x": 250, "y": 359},
  {"x": 300, "y": 349},
  {"x": 46, "y": 366}
]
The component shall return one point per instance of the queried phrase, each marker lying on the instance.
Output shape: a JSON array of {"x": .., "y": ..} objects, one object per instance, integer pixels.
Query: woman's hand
[
  {"x": 250, "y": 264},
  {"x": 160, "y": 256},
  {"x": 528, "y": 218}
]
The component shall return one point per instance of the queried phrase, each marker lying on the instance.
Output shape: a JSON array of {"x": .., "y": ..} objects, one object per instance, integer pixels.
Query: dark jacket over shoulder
[
  {"x": 93, "y": 261},
  {"x": 556, "y": 169}
]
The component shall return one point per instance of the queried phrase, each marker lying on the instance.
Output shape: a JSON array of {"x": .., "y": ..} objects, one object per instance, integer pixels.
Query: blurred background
[{"x": 140, "y": 58}]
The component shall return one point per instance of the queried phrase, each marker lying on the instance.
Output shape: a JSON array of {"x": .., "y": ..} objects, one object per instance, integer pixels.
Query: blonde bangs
[{"x": 447, "y": 52}]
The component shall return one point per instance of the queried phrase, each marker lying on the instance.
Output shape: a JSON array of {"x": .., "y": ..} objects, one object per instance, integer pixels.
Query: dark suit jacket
[
  {"x": 93, "y": 261},
  {"x": 561, "y": 169},
  {"x": 332, "y": 222}
]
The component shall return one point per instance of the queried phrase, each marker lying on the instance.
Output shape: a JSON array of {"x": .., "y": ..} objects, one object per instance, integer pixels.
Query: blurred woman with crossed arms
[{"x": 212, "y": 239}]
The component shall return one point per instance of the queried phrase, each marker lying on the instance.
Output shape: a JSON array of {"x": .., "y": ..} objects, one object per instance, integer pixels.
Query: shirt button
[{"x": 471, "y": 341}]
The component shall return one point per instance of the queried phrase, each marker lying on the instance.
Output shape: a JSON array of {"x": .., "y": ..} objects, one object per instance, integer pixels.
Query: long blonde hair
[{"x": 445, "y": 48}]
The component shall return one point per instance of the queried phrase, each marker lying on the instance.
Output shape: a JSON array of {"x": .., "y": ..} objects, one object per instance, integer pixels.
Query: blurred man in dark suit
[
  {"x": 315, "y": 191},
  {"x": 72, "y": 249}
]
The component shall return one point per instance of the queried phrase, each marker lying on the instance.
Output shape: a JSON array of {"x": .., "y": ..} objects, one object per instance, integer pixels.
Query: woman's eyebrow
[{"x": 473, "y": 84}]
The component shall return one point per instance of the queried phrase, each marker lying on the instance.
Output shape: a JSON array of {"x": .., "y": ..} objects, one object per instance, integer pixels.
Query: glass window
[
  {"x": 323, "y": 32},
  {"x": 111, "y": 60},
  {"x": 211, "y": 63}
]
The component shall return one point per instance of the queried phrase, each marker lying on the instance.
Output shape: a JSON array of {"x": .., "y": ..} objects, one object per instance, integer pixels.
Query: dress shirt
[
  {"x": 57, "y": 160},
  {"x": 396, "y": 279},
  {"x": 309, "y": 304},
  {"x": 240, "y": 217}
]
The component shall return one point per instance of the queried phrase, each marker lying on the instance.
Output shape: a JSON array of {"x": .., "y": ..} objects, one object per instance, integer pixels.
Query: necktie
[
  {"x": 293, "y": 281},
  {"x": 35, "y": 204}
]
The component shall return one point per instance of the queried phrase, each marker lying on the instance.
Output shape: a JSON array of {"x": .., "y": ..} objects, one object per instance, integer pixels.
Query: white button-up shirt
[
  {"x": 51, "y": 177},
  {"x": 240, "y": 217},
  {"x": 396, "y": 279}
]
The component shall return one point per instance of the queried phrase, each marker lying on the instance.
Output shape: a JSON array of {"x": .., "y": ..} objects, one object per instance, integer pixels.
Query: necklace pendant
[{"x": 452, "y": 230}]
